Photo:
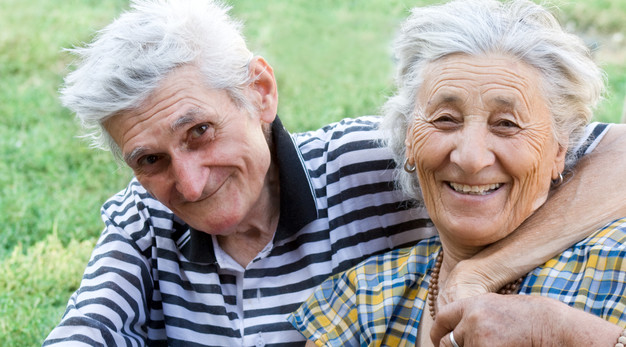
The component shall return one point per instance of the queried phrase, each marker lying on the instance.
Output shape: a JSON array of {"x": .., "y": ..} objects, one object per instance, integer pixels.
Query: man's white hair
[{"x": 130, "y": 57}]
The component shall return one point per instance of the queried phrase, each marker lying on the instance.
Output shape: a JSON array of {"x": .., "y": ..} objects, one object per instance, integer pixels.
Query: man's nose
[
  {"x": 472, "y": 151},
  {"x": 190, "y": 176}
]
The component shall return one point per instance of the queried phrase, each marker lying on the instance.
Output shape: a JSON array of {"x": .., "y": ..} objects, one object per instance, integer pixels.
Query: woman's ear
[
  {"x": 408, "y": 145},
  {"x": 559, "y": 162},
  {"x": 264, "y": 89}
]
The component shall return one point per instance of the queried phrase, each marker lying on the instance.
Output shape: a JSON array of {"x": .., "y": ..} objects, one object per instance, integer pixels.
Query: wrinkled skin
[
  {"x": 484, "y": 147},
  {"x": 519, "y": 320}
]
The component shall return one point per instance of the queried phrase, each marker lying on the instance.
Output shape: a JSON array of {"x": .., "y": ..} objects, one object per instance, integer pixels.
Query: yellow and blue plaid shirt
[{"x": 381, "y": 300}]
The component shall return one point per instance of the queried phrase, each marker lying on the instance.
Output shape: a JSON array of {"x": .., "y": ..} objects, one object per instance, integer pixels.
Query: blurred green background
[{"x": 331, "y": 58}]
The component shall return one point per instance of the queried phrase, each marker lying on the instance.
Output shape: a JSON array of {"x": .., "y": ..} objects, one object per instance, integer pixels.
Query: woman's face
[{"x": 483, "y": 144}]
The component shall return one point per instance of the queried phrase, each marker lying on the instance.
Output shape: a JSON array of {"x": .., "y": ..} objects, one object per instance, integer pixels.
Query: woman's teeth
[{"x": 475, "y": 190}]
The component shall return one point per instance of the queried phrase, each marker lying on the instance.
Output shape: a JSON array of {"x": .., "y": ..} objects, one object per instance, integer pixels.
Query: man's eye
[
  {"x": 149, "y": 159},
  {"x": 199, "y": 130}
]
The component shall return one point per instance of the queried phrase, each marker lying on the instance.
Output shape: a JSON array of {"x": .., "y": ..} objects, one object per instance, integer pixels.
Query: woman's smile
[{"x": 474, "y": 189}]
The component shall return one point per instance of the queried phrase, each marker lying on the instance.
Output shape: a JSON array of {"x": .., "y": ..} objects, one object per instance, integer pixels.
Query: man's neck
[{"x": 260, "y": 226}]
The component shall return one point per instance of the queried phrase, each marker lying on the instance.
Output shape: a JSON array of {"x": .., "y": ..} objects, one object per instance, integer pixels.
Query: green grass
[
  {"x": 601, "y": 15},
  {"x": 36, "y": 284},
  {"x": 331, "y": 59}
]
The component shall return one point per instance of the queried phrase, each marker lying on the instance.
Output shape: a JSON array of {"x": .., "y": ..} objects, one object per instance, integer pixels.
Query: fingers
[
  {"x": 453, "y": 340},
  {"x": 450, "y": 340},
  {"x": 455, "y": 291},
  {"x": 445, "y": 322},
  {"x": 463, "y": 282}
]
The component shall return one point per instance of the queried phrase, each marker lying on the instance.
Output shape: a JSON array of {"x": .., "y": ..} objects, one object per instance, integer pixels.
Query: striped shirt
[
  {"x": 380, "y": 302},
  {"x": 152, "y": 280}
]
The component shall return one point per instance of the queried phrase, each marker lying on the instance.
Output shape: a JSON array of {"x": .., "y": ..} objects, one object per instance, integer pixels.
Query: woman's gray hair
[
  {"x": 130, "y": 57},
  {"x": 571, "y": 82}
]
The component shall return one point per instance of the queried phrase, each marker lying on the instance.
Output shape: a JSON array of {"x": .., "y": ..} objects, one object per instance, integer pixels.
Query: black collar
[{"x": 297, "y": 200}]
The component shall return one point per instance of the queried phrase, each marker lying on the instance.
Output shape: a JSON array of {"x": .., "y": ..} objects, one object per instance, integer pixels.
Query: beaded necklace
[{"x": 433, "y": 286}]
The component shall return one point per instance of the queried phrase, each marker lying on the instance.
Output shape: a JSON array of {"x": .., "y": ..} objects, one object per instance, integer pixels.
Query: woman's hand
[
  {"x": 467, "y": 280},
  {"x": 519, "y": 320}
]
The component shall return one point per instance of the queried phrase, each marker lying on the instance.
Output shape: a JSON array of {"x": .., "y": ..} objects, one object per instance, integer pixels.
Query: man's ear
[
  {"x": 263, "y": 88},
  {"x": 559, "y": 162}
]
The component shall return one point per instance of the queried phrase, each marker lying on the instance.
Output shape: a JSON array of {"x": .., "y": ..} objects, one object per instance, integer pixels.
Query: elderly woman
[{"x": 491, "y": 103}]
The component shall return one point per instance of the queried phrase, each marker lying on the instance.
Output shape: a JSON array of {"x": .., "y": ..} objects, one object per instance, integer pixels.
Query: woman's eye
[
  {"x": 506, "y": 127},
  {"x": 445, "y": 122},
  {"x": 445, "y": 119},
  {"x": 507, "y": 124}
]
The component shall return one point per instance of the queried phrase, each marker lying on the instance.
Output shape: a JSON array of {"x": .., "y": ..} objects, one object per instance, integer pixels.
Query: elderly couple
[{"x": 372, "y": 231}]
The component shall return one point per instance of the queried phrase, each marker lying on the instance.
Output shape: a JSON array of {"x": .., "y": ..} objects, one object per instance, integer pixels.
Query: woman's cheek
[{"x": 420, "y": 133}]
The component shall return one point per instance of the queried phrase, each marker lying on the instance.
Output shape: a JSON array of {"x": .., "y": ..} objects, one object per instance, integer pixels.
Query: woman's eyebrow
[
  {"x": 444, "y": 98},
  {"x": 505, "y": 101}
]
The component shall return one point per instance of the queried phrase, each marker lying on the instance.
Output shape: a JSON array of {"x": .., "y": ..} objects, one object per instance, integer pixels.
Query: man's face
[{"x": 196, "y": 152}]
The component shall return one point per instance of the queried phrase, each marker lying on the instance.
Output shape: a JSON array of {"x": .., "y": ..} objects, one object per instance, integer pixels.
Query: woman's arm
[{"x": 594, "y": 196}]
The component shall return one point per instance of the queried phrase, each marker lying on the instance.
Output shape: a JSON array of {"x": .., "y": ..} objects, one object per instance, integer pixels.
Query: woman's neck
[{"x": 453, "y": 254}]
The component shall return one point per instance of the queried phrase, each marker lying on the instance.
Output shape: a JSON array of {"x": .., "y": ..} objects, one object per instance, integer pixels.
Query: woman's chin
[{"x": 478, "y": 237}]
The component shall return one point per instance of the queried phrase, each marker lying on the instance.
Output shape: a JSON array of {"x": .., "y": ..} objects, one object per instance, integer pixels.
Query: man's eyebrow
[
  {"x": 131, "y": 157},
  {"x": 189, "y": 117}
]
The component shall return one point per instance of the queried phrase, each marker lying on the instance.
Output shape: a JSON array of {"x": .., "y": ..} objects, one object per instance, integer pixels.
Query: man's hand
[{"x": 519, "y": 320}]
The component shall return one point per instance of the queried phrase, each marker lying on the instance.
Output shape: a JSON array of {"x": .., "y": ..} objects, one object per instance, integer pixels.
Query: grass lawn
[{"x": 331, "y": 59}]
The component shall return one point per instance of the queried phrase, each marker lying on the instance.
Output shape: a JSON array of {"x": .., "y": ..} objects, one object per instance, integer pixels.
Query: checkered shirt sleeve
[{"x": 591, "y": 275}]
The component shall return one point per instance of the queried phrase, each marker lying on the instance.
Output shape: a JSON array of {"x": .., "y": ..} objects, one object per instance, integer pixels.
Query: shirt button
[{"x": 259, "y": 341}]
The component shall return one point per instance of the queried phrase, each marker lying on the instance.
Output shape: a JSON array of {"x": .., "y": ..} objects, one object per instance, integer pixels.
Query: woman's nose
[
  {"x": 190, "y": 176},
  {"x": 472, "y": 151}
]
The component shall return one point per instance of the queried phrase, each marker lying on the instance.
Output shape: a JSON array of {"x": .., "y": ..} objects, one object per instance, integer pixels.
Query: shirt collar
[{"x": 297, "y": 199}]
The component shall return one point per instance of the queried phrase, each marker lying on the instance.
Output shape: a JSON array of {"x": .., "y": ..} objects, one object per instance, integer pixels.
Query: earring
[
  {"x": 557, "y": 182},
  {"x": 407, "y": 167}
]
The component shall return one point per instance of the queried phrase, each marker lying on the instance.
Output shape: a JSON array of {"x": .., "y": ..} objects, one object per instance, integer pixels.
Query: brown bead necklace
[{"x": 433, "y": 286}]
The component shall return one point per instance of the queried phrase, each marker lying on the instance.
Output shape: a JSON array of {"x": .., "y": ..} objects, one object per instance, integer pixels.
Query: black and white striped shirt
[{"x": 154, "y": 281}]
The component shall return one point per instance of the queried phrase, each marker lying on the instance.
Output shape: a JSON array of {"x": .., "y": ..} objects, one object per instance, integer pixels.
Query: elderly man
[{"x": 231, "y": 221}]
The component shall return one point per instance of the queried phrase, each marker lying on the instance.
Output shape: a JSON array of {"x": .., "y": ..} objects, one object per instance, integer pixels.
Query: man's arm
[
  {"x": 110, "y": 307},
  {"x": 594, "y": 196}
]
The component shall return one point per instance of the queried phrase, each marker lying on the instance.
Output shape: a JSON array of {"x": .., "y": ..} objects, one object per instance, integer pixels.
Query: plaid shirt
[{"x": 381, "y": 301}]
